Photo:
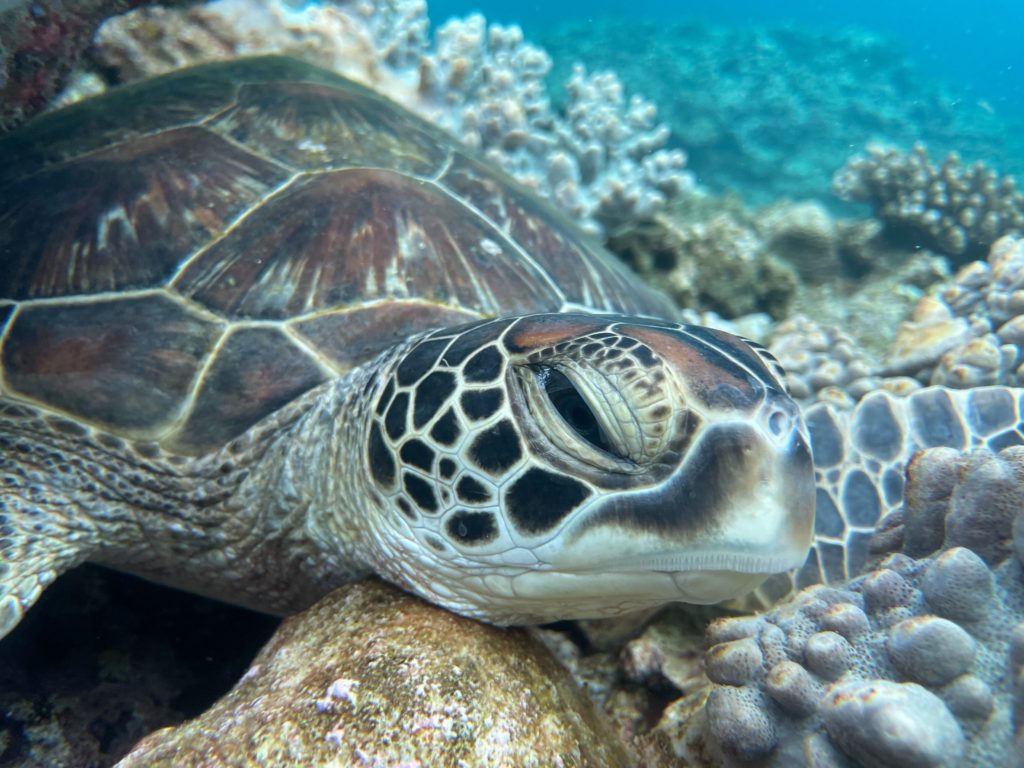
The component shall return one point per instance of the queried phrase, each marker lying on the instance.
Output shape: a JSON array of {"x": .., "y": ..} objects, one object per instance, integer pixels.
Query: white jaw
[{"x": 537, "y": 597}]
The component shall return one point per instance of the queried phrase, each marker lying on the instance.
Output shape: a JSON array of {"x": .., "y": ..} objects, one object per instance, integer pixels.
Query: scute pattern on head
[{"x": 542, "y": 432}]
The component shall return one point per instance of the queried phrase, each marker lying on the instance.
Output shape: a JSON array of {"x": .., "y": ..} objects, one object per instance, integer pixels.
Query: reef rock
[
  {"x": 708, "y": 258},
  {"x": 373, "y": 676}
]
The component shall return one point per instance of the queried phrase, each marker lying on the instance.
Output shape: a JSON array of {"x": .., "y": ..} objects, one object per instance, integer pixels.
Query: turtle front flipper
[{"x": 41, "y": 534}]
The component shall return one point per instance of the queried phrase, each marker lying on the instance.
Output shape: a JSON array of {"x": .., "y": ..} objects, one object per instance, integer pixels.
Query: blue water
[
  {"x": 769, "y": 99},
  {"x": 978, "y": 46}
]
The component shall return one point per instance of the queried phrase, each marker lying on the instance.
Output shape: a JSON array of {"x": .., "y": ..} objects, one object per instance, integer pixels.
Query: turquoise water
[
  {"x": 976, "y": 45},
  {"x": 770, "y": 99}
]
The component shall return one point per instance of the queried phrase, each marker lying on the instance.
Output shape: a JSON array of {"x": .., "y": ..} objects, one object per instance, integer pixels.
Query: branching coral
[
  {"x": 602, "y": 161},
  {"x": 953, "y": 208}
]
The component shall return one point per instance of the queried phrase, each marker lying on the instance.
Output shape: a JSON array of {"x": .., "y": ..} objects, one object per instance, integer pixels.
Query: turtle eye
[{"x": 571, "y": 406}]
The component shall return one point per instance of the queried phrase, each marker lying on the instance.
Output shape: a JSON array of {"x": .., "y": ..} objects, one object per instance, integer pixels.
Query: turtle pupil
[{"x": 573, "y": 408}]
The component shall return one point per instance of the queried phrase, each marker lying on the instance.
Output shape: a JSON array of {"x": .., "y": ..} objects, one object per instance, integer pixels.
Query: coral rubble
[{"x": 952, "y": 208}]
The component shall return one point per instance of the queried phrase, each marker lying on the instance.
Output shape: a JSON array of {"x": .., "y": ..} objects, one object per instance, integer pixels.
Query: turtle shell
[{"x": 183, "y": 256}]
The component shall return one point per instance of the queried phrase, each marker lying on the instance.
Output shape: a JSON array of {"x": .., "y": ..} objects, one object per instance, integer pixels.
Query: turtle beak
[{"x": 738, "y": 509}]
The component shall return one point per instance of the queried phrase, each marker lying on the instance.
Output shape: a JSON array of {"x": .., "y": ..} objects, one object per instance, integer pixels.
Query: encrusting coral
[
  {"x": 706, "y": 257},
  {"x": 602, "y": 160},
  {"x": 926, "y": 640},
  {"x": 955, "y": 209}
]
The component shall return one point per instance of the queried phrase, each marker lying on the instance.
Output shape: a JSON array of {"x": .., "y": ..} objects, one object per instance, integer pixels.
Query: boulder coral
[{"x": 915, "y": 664}]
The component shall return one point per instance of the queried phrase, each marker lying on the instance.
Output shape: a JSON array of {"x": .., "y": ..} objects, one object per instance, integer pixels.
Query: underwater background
[
  {"x": 768, "y": 99},
  {"x": 974, "y": 45},
  {"x": 832, "y": 180}
]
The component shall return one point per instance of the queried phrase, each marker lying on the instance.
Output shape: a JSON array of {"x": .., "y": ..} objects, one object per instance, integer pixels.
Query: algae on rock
[{"x": 371, "y": 675}]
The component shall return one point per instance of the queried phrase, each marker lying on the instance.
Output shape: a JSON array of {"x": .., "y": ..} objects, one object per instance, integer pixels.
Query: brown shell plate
[{"x": 181, "y": 257}]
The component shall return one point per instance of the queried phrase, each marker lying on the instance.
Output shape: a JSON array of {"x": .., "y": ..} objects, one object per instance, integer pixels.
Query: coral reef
[
  {"x": 373, "y": 676},
  {"x": 708, "y": 258},
  {"x": 602, "y": 160},
  {"x": 771, "y": 112},
  {"x": 602, "y": 163},
  {"x": 40, "y": 44},
  {"x": 821, "y": 362},
  {"x": 955, "y": 209},
  {"x": 965, "y": 332},
  {"x": 106, "y": 658},
  {"x": 970, "y": 332},
  {"x": 930, "y": 639},
  {"x": 713, "y": 255},
  {"x": 804, "y": 235}
]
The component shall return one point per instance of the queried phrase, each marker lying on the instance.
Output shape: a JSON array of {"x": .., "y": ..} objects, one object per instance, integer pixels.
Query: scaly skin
[{"x": 246, "y": 524}]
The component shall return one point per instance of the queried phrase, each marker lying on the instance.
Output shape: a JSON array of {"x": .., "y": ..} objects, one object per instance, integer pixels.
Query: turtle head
[{"x": 568, "y": 466}]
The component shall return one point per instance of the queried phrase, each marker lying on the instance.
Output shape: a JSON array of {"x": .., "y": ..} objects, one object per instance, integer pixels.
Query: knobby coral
[
  {"x": 952, "y": 208},
  {"x": 916, "y": 663}
]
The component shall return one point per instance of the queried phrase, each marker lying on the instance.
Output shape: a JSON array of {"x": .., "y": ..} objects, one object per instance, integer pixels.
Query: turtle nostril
[{"x": 779, "y": 423}]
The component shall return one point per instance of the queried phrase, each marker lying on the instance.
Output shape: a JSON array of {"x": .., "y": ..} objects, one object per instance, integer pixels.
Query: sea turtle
[{"x": 264, "y": 331}]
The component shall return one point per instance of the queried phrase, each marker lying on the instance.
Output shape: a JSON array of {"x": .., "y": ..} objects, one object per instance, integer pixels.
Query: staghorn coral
[
  {"x": 602, "y": 160},
  {"x": 955, "y": 209},
  {"x": 924, "y": 640}
]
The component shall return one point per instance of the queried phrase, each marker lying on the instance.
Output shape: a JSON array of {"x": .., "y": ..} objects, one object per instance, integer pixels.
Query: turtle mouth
[
  {"x": 539, "y": 596},
  {"x": 676, "y": 562}
]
